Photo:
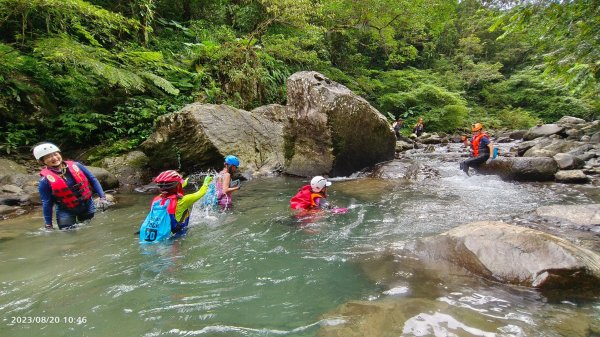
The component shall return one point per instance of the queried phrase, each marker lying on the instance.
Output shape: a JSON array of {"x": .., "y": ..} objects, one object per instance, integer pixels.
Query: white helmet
[
  {"x": 318, "y": 183},
  {"x": 44, "y": 149}
]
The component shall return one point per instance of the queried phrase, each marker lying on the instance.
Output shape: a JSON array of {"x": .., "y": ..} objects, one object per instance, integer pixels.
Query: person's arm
[
  {"x": 93, "y": 181},
  {"x": 226, "y": 182},
  {"x": 491, "y": 147},
  {"x": 47, "y": 203},
  {"x": 189, "y": 199}
]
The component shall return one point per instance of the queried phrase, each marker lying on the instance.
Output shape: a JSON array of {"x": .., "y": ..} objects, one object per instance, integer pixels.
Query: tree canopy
[{"x": 101, "y": 72}]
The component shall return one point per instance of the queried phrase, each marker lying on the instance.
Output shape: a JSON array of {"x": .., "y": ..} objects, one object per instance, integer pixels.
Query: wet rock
[
  {"x": 323, "y": 136},
  {"x": 567, "y": 162},
  {"x": 130, "y": 169},
  {"x": 199, "y": 136},
  {"x": 406, "y": 317},
  {"x": 106, "y": 179},
  {"x": 583, "y": 215},
  {"x": 568, "y": 120},
  {"x": 516, "y": 255},
  {"x": 9, "y": 170},
  {"x": 11, "y": 189},
  {"x": 403, "y": 169},
  {"x": 521, "y": 168},
  {"x": 5, "y": 209},
  {"x": 544, "y": 130},
  {"x": 571, "y": 177},
  {"x": 517, "y": 134},
  {"x": 550, "y": 147}
]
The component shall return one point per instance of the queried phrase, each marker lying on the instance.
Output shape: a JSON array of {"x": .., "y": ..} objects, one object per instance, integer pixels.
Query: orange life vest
[
  {"x": 305, "y": 198},
  {"x": 68, "y": 196},
  {"x": 475, "y": 144}
]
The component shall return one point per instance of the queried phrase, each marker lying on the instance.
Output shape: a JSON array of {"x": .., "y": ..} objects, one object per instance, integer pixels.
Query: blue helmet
[{"x": 232, "y": 160}]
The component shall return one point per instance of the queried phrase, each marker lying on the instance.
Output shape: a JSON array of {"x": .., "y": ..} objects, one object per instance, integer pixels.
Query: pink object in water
[{"x": 339, "y": 210}]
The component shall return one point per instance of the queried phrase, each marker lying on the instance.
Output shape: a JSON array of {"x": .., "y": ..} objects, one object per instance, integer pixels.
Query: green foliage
[
  {"x": 100, "y": 71},
  {"x": 567, "y": 35},
  {"x": 441, "y": 109},
  {"x": 541, "y": 97},
  {"x": 515, "y": 119}
]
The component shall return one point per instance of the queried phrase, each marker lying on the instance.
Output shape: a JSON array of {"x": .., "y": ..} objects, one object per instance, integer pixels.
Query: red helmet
[{"x": 168, "y": 179}]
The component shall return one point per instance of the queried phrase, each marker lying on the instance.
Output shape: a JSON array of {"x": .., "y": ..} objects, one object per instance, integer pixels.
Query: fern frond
[{"x": 161, "y": 82}]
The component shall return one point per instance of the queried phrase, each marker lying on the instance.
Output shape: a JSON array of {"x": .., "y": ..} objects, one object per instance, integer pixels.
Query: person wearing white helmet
[
  {"x": 65, "y": 184},
  {"x": 312, "y": 196}
]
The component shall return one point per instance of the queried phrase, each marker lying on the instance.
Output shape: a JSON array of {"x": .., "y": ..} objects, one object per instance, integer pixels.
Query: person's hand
[
  {"x": 463, "y": 138},
  {"x": 103, "y": 204},
  {"x": 207, "y": 180},
  {"x": 185, "y": 182}
]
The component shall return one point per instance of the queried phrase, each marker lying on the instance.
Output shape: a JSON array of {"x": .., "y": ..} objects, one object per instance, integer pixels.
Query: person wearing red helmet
[
  {"x": 481, "y": 148},
  {"x": 225, "y": 186},
  {"x": 170, "y": 210}
]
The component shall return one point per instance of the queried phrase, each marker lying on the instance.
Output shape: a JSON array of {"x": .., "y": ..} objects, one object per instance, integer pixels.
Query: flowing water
[{"x": 260, "y": 271}]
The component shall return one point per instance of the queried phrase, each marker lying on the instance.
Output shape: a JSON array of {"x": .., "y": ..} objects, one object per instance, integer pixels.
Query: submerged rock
[
  {"x": 583, "y": 215},
  {"x": 515, "y": 255}
]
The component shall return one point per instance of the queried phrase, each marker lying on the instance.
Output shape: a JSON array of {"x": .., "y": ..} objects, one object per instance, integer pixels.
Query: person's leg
[
  {"x": 473, "y": 162},
  {"x": 65, "y": 219},
  {"x": 87, "y": 211}
]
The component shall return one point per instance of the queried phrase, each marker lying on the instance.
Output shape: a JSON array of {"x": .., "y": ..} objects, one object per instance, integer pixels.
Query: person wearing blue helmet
[{"x": 225, "y": 186}]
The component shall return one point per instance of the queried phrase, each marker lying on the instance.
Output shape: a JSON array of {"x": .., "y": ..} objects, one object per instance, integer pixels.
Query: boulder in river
[
  {"x": 522, "y": 168},
  {"x": 515, "y": 255},
  {"x": 332, "y": 130}
]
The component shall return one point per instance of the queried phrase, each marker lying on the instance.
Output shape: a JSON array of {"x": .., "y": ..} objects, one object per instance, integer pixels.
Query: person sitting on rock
[
  {"x": 170, "y": 211},
  {"x": 312, "y": 196},
  {"x": 481, "y": 148}
]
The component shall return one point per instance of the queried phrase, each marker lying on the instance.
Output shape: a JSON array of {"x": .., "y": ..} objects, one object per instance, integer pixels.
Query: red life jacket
[
  {"x": 475, "y": 143},
  {"x": 304, "y": 199},
  {"x": 69, "y": 197}
]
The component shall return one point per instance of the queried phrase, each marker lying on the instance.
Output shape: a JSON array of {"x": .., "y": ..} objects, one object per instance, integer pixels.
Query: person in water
[
  {"x": 481, "y": 148},
  {"x": 170, "y": 210},
  {"x": 225, "y": 185},
  {"x": 312, "y": 196},
  {"x": 66, "y": 184}
]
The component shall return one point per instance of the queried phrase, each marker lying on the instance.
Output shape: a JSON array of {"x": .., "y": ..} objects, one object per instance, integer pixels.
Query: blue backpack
[{"x": 157, "y": 226}]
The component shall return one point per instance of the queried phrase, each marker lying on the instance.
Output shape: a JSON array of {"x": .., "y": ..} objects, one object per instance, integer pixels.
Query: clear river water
[{"x": 260, "y": 271}]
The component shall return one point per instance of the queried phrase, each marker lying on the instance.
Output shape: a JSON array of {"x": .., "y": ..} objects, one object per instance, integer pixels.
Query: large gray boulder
[
  {"x": 566, "y": 161},
  {"x": 550, "y": 147},
  {"x": 199, "y": 136},
  {"x": 130, "y": 169},
  {"x": 106, "y": 179},
  {"x": 9, "y": 170},
  {"x": 521, "y": 168},
  {"x": 332, "y": 130},
  {"x": 512, "y": 254},
  {"x": 544, "y": 130}
]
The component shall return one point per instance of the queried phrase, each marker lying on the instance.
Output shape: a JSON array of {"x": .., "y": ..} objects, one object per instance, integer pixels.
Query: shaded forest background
[{"x": 86, "y": 73}]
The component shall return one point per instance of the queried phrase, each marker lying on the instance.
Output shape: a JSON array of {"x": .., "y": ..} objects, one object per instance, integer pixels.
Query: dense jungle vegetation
[{"x": 99, "y": 72}]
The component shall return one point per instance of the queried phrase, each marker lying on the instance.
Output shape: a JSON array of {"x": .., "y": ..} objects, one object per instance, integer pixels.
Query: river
[{"x": 260, "y": 271}]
